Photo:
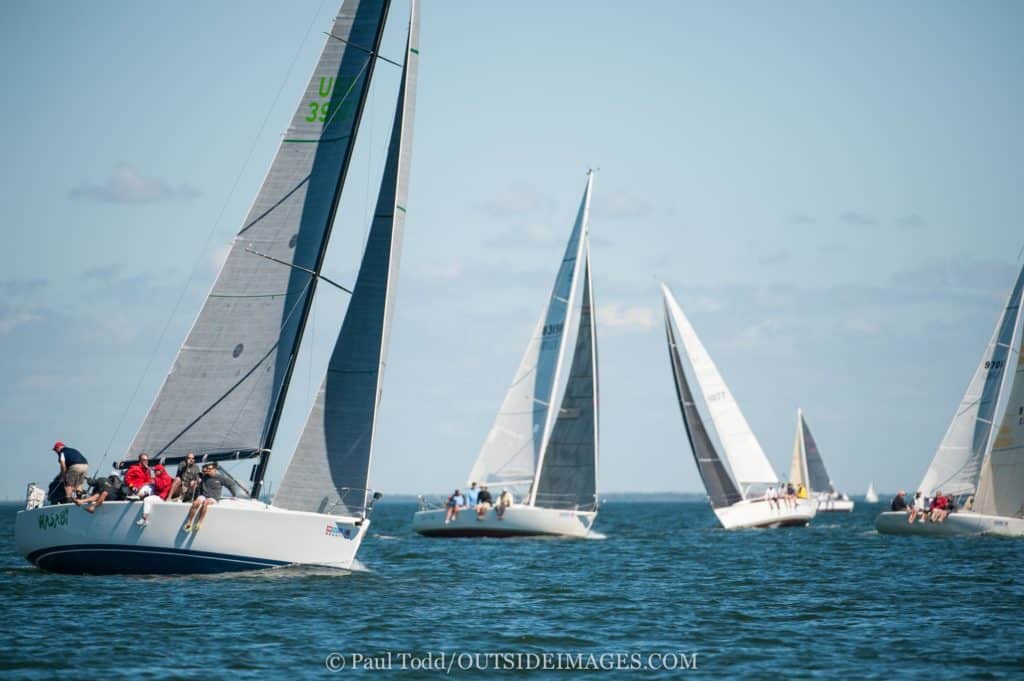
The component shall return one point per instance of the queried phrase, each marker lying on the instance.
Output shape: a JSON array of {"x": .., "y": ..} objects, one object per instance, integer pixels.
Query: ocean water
[{"x": 664, "y": 587}]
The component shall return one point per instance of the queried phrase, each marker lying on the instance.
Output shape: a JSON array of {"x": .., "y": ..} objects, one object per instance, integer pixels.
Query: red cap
[{"x": 58, "y": 445}]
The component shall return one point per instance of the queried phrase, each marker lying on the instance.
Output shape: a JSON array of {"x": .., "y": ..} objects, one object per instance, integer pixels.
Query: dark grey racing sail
[
  {"x": 330, "y": 467},
  {"x": 228, "y": 382},
  {"x": 568, "y": 476},
  {"x": 721, "y": 489}
]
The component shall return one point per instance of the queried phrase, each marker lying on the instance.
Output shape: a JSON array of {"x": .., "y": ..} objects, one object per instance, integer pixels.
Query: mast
[{"x": 268, "y": 441}]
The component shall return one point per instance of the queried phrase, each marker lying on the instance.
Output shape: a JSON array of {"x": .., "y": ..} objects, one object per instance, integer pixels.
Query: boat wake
[{"x": 595, "y": 535}]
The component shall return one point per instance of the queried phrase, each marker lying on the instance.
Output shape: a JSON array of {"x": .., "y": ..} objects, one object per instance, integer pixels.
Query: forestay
[
  {"x": 330, "y": 467},
  {"x": 746, "y": 458},
  {"x": 224, "y": 389},
  {"x": 568, "y": 475},
  {"x": 512, "y": 450},
  {"x": 958, "y": 460},
  {"x": 721, "y": 489}
]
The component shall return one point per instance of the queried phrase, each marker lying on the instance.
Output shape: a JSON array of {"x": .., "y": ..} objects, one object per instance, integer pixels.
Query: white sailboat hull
[
  {"x": 518, "y": 521},
  {"x": 835, "y": 505},
  {"x": 759, "y": 513},
  {"x": 236, "y": 535},
  {"x": 961, "y": 523}
]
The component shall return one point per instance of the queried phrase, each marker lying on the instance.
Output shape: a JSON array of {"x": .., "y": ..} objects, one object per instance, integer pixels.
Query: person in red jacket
[
  {"x": 162, "y": 483},
  {"x": 139, "y": 477},
  {"x": 940, "y": 504}
]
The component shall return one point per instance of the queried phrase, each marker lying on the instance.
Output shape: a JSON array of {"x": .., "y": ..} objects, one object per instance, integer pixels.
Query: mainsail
[
  {"x": 512, "y": 451},
  {"x": 330, "y": 468},
  {"x": 807, "y": 467},
  {"x": 568, "y": 470},
  {"x": 722, "y": 491},
  {"x": 958, "y": 461},
  {"x": 229, "y": 379},
  {"x": 746, "y": 458}
]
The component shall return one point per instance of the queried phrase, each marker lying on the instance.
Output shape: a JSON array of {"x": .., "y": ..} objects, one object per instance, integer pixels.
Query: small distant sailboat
[
  {"x": 871, "y": 496},
  {"x": 981, "y": 467},
  {"x": 731, "y": 499},
  {"x": 543, "y": 446},
  {"x": 807, "y": 468}
]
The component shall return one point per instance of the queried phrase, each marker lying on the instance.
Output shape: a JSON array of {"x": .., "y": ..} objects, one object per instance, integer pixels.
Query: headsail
[
  {"x": 807, "y": 467},
  {"x": 743, "y": 451},
  {"x": 514, "y": 446},
  {"x": 722, "y": 491},
  {"x": 228, "y": 381},
  {"x": 958, "y": 461},
  {"x": 330, "y": 467},
  {"x": 568, "y": 474}
]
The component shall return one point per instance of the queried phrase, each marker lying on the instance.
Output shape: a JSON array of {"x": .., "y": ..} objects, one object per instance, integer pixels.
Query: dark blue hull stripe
[{"x": 108, "y": 559}]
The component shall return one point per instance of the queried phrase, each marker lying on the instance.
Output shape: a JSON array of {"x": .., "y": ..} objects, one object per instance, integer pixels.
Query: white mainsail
[
  {"x": 871, "y": 496},
  {"x": 228, "y": 382},
  {"x": 742, "y": 450},
  {"x": 330, "y": 467},
  {"x": 958, "y": 461},
  {"x": 512, "y": 452}
]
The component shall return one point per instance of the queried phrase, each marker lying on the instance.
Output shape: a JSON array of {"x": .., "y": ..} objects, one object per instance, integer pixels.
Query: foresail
[
  {"x": 721, "y": 489},
  {"x": 568, "y": 475},
  {"x": 512, "y": 450},
  {"x": 817, "y": 477},
  {"x": 746, "y": 458},
  {"x": 224, "y": 389},
  {"x": 957, "y": 463},
  {"x": 330, "y": 468}
]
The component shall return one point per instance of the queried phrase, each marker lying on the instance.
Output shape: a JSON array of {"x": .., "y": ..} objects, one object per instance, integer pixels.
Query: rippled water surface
[{"x": 833, "y": 598}]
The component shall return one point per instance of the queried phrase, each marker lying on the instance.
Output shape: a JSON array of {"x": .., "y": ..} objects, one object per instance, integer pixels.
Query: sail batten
[
  {"x": 330, "y": 468},
  {"x": 226, "y": 387}
]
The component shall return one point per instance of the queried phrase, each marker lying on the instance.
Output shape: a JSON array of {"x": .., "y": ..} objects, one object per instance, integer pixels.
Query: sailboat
[
  {"x": 543, "y": 446},
  {"x": 225, "y": 392},
  {"x": 871, "y": 496},
  {"x": 736, "y": 499},
  {"x": 980, "y": 461},
  {"x": 807, "y": 468}
]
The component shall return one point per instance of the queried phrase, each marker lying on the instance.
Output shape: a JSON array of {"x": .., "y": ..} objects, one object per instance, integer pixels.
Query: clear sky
[{"x": 832, "y": 189}]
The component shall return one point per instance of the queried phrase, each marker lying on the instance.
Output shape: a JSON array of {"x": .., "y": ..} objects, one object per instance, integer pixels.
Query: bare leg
[{"x": 202, "y": 511}]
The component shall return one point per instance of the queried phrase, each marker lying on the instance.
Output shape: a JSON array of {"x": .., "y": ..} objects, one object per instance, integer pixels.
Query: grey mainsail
[
  {"x": 330, "y": 467},
  {"x": 721, "y": 489},
  {"x": 568, "y": 476},
  {"x": 229, "y": 379},
  {"x": 817, "y": 476}
]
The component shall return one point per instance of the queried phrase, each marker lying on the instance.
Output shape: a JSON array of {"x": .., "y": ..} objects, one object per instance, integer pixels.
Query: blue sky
[{"x": 831, "y": 190}]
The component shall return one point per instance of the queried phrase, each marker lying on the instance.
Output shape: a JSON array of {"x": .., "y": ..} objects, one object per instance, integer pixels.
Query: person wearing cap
[
  {"x": 162, "y": 483},
  {"x": 455, "y": 502},
  {"x": 483, "y": 502},
  {"x": 73, "y": 469}
]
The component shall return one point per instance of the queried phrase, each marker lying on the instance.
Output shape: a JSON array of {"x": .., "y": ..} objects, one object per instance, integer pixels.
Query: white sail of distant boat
[
  {"x": 226, "y": 389},
  {"x": 807, "y": 468},
  {"x": 543, "y": 445},
  {"x": 976, "y": 464},
  {"x": 871, "y": 496},
  {"x": 732, "y": 503},
  {"x": 747, "y": 460}
]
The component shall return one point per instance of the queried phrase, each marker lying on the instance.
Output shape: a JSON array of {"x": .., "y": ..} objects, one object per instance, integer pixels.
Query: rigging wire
[{"x": 209, "y": 236}]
